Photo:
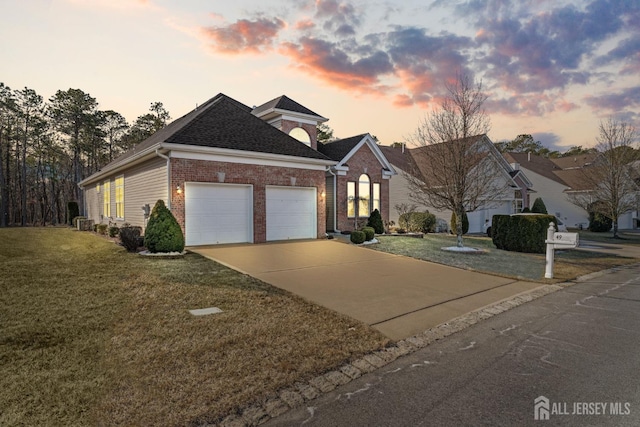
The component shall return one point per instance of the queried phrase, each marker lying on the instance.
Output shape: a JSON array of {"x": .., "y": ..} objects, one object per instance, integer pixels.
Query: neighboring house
[
  {"x": 229, "y": 174},
  {"x": 551, "y": 179},
  {"x": 555, "y": 179},
  {"x": 514, "y": 197},
  {"x": 358, "y": 183}
]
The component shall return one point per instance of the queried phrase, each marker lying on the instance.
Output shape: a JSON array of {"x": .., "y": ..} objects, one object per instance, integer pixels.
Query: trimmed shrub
[
  {"x": 526, "y": 210},
  {"x": 375, "y": 222},
  {"x": 113, "y": 231},
  {"x": 499, "y": 230},
  {"x": 73, "y": 211},
  {"x": 539, "y": 207},
  {"x": 357, "y": 237},
  {"x": 454, "y": 223},
  {"x": 369, "y": 233},
  {"x": 418, "y": 222},
  {"x": 599, "y": 223},
  {"x": 95, "y": 227},
  {"x": 401, "y": 230},
  {"x": 521, "y": 233},
  {"x": 130, "y": 237},
  {"x": 163, "y": 233},
  {"x": 102, "y": 229}
]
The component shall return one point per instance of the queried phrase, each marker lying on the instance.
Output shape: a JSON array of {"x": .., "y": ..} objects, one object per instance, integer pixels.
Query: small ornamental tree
[
  {"x": 163, "y": 233},
  {"x": 539, "y": 207},
  {"x": 465, "y": 222},
  {"x": 375, "y": 222}
]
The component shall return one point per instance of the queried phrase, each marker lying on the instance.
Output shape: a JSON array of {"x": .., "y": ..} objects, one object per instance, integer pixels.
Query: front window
[
  {"x": 301, "y": 135},
  {"x": 106, "y": 199},
  {"x": 364, "y": 196},
  {"x": 351, "y": 199},
  {"x": 517, "y": 202},
  {"x": 376, "y": 196},
  {"x": 120, "y": 197}
]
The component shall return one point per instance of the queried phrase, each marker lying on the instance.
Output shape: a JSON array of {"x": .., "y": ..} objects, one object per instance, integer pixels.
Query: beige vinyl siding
[
  {"x": 144, "y": 184},
  {"x": 93, "y": 201}
]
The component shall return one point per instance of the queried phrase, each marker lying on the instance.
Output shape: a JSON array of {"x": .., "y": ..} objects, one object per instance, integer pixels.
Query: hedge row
[{"x": 521, "y": 233}]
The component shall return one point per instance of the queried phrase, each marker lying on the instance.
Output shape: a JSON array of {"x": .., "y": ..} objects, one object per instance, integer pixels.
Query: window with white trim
[
  {"x": 364, "y": 196},
  {"x": 517, "y": 202},
  {"x": 351, "y": 199},
  {"x": 106, "y": 199},
  {"x": 376, "y": 197},
  {"x": 120, "y": 197}
]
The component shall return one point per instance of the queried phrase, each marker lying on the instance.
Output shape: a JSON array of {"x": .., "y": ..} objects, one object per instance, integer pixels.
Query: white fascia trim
[
  {"x": 292, "y": 115},
  {"x": 180, "y": 151},
  {"x": 368, "y": 139},
  {"x": 299, "y": 119}
]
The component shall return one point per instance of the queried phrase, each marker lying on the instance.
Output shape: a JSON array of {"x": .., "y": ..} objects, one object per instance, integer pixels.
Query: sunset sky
[{"x": 553, "y": 69}]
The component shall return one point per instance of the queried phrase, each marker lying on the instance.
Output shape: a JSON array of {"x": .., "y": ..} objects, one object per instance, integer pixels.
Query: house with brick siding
[
  {"x": 359, "y": 182},
  {"x": 229, "y": 173}
]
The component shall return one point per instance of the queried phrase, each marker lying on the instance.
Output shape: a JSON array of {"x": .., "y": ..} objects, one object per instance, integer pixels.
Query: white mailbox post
[{"x": 557, "y": 241}]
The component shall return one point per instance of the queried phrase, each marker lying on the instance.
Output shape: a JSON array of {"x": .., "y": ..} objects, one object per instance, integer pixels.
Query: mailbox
[{"x": 565, "y": 240}]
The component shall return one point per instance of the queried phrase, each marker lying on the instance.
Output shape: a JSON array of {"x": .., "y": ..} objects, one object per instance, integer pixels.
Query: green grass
[
  {"x": 569, "y": 264},
  {"x": 93, "y": 335},
  {"x": 624, "y": 237}
]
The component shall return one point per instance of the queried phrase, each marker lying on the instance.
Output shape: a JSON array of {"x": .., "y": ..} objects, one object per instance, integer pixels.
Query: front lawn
[
  {"x": 569, "y": 264},
  {"x": 92, "y": 335},
  {"x": 624, "y": 237}
]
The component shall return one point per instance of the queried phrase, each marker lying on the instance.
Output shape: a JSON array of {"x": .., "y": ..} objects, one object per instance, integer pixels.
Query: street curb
[{"x": 301, "y": 392}]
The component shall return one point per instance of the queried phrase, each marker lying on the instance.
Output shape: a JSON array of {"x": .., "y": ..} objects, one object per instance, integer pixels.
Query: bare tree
[
  {"x": 608, "y": 185},
  {"x": 455, "y": 166}
]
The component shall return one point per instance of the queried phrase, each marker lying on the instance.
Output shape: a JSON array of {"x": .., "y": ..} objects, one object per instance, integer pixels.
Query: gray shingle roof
[
  {"x": 223, "y": 122},
  {"x": 337, "y": 150},
  {"x": 284, "y": 103}
]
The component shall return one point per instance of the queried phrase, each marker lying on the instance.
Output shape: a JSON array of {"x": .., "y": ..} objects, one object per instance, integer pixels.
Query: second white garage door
[
  {"x": 291, "y": 213},
  {"x": 218, "y": 213}
]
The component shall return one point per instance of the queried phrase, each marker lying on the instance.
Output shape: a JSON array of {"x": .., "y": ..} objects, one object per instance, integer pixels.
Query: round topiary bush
[
  {"x": 369, "y": 233},
  {"x": 375, "y": 222},
  {"x": 357, "y": 237},
  {"x": 163, "y": 233}
]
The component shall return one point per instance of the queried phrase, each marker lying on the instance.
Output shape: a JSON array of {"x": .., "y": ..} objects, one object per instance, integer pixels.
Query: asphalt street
[{"x": 576, "y": 351}]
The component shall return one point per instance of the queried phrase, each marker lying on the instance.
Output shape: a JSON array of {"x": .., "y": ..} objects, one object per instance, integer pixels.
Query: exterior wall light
[{"x": 178, "y": 189}]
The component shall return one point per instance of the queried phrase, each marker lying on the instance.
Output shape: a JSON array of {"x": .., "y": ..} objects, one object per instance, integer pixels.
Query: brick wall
[
  {"x": 185, "y": 170},
  {"x": 364, "y": 161},
  {"x": 287, "y": 125}
]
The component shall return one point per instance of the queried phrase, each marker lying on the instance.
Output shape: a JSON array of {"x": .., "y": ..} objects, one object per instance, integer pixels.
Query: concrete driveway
[{"x": 397, "y": 295}]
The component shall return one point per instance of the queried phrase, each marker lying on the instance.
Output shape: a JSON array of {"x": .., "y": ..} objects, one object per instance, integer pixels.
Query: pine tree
[{"x": 163, "y": 233}]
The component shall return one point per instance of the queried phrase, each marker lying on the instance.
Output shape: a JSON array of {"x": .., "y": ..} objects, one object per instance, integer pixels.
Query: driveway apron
[{"x": 397, "y": 295}]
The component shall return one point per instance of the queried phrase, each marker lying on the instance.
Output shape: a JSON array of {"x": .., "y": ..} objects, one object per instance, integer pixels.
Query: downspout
[
  {"x": 159, "y": 154},
  {"x": 335, "y": 208}
]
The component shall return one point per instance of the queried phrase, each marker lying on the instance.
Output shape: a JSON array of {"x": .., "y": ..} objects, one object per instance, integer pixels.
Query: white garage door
[
  {"x": 218, "y": 213},
  {"x": 291, "y": 213}
]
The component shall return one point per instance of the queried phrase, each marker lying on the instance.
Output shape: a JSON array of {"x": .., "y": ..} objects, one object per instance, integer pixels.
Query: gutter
[{"x": 168, "y": 159}]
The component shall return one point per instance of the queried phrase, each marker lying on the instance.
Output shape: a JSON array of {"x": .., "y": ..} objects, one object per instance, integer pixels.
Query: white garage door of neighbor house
[
  {"x": 291, "y": 213},
  {"x": 218, "y": 213}
]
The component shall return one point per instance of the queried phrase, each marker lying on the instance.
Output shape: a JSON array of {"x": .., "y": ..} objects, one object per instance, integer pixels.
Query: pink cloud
[
  {"x": 322, "y": 60},
  {"x": 244, "y": 36}
]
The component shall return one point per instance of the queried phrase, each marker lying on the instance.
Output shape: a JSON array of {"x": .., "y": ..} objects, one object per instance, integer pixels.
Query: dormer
[{"x": 294, "y": 119}]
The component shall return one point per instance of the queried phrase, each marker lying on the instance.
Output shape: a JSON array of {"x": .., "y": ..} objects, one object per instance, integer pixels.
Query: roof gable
[
  {"x": 283, "y": 104},
  {"x": 343, "y": 149}
]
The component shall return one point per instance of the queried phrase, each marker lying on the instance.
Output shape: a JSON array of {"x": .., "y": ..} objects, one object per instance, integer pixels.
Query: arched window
[
  {"x": 301, "y": 135},
  {"x": 364, "y": 195}
]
